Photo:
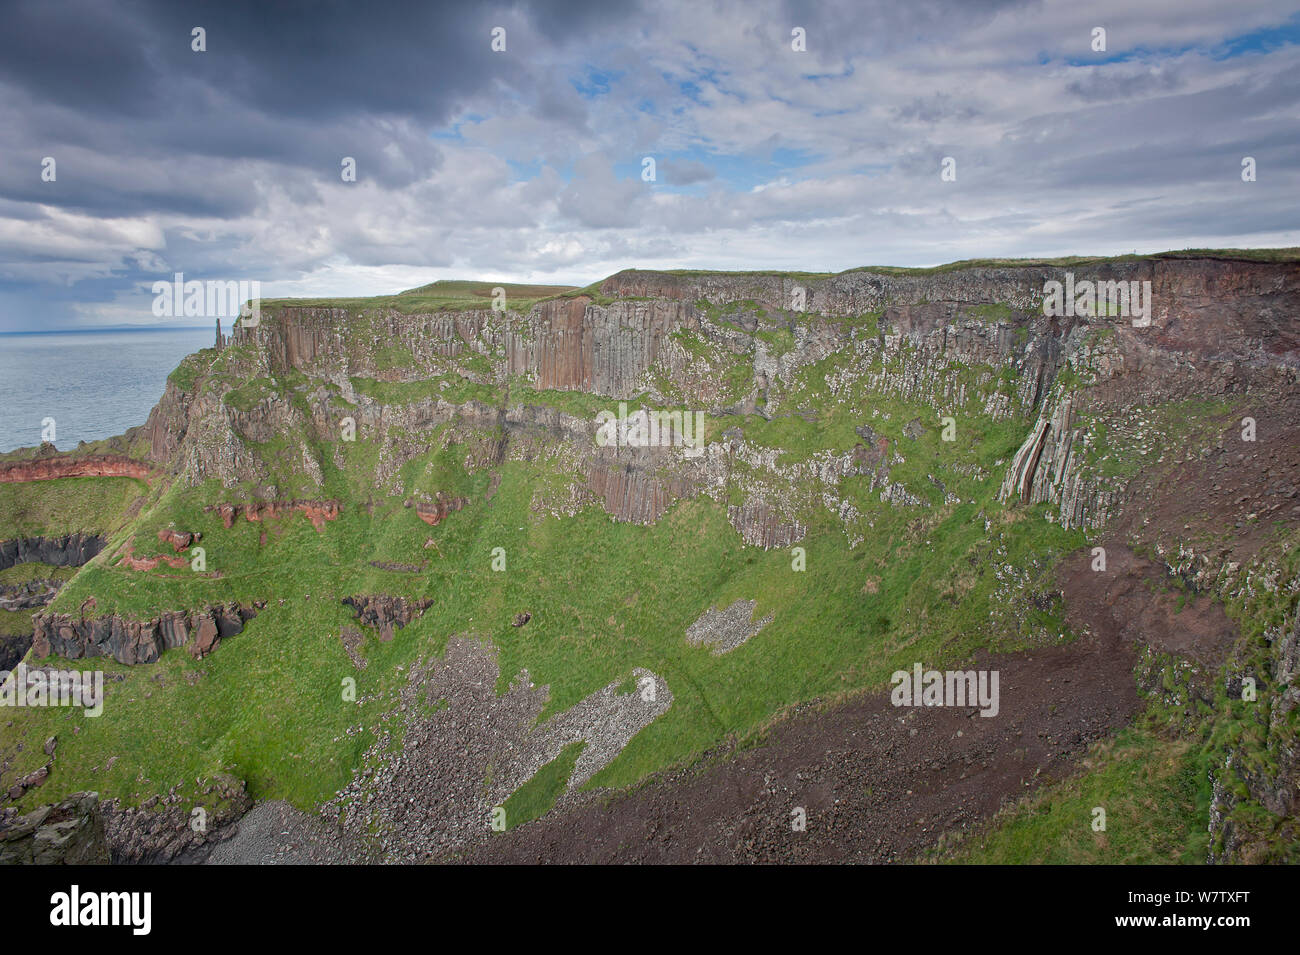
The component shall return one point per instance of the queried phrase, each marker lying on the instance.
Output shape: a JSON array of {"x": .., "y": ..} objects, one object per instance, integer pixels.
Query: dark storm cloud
[
  {"x": 225, "y": 164},
  {"x": 317, "y": 60},
  {"x": 300, "y": 85}
]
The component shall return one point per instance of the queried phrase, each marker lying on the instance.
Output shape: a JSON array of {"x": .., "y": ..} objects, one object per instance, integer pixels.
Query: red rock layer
[
  {"x": 178, "y": 539},
  {"x": 433, "y": 512},
  {"x": 131, "y": 562},
  {"x": 48, "y": 469},
  {"x": 318, "y": 512}
]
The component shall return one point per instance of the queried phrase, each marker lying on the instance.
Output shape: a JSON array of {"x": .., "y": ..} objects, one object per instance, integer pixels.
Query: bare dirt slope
[{"x": 877, "y": 783}]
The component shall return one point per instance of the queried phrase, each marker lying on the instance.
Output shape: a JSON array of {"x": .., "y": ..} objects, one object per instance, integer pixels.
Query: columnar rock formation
[
  {"x": 138, "y": 641},
  {"x": 1216, "y": 326}
]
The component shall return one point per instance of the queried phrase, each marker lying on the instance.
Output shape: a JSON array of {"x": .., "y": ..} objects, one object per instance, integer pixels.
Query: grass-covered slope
[
  {"x": 67, "y": 506},
  {"x": 445, "y": 295}
]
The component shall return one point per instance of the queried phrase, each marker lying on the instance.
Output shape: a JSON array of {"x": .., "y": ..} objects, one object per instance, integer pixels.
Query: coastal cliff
[{"x": 883, "y": 464}]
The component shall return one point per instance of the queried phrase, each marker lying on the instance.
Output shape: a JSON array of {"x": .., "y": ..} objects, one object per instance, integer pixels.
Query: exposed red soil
[
  {"x": 877, "y": 783},
  {"x": 48, "y": 469},
  {"x": 881, "y": 784},
  {"x": 1132, "y": 600},
  {"x": 1234, "y": 491},
  {"x": 131, "y": 562}
]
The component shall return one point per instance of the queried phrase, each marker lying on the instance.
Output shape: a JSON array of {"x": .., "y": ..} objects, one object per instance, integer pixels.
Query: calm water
[{"x": 93, "y": 384}]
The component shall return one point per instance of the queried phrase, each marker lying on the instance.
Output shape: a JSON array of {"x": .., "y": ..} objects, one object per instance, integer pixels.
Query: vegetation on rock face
[{"x": 837, "y": 423}]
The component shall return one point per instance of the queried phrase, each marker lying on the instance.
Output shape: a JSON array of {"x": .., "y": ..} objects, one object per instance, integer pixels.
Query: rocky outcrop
[
  {"x": 968, "y": 341},
  {"x": 604, "y": 350},
  {"x": 126, "y": 558},
  {"x": 568, "y": 344},
  {"x": 179, "y": 540},
  {"x": 353, "y": 640},
  {"x": 136, "y": 641},
  {"x": 632, "y": 494},
  {"x": 433, "y": 512},
  {"x": 28, "y": 595},
  {"x": 1208, "y": 309},
  {"x": 69, "y": 832},
  {"x": 175, "y": 828},
  {"x": 72, "y": 550},
  {"x": 464, "y": 748},
  {"x": 724, "y": 630},
  {"x": 52, "y": 468},
  {"x": 384, "y": 612},
  {"x": 167, "y": 424},
  {"x": 1047, "y": 469},
  {"x": 762, "y": 525},
  {"x": 13, "y": 647},
  {"x": 32, "y": 780},
  {"x": 1272, "y": 782}
]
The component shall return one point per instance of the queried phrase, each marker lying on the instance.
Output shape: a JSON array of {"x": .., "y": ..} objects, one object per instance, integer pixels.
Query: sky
[{"x": 528, "y": 164}]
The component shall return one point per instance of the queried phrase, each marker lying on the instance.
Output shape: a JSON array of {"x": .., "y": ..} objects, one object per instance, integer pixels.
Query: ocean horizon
[{"x": 93, "y": 383}]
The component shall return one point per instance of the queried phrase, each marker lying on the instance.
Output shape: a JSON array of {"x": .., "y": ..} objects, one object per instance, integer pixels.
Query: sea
[{"x": 94, "y": 384}]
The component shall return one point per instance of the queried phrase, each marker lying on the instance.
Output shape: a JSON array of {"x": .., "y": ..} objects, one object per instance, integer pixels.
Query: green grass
[
  {"x": 133, "y": 443},
  {"x": 33, "y": 570},
  {"x": 67, "y": 506},
  {"x": 1156, "y": 799},
  {"x": 535, "y": 798},
  {"x": 993, "y": 313},
  {"x": 192, "y": 368},
  {"x": 1114, "y": 450},
  {"x": 460, "y": 290},
  {"x": 605, "y": 598},
  {"x": 455, "y": 389},
  {"x": 1241, "y": 255},
  {"x": 443, "y": 296},
  {"x": 897, "y": 584},
  {"x": 15, "y": 623},
  {"x": 580, "y": 404},
  {"x": 779, "y": 342}
]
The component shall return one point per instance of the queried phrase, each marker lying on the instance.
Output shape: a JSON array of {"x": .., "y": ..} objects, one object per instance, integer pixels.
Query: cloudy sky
[{"x": 527, "y": 164}]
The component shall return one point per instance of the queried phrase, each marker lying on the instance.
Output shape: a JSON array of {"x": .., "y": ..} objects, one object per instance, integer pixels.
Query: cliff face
[
  {"x": 1202, "y": 312},
  {"x": 969, "y": 342},
  {"x": 168, "y": 421},
  {"x": 1204, "y": 308}
]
